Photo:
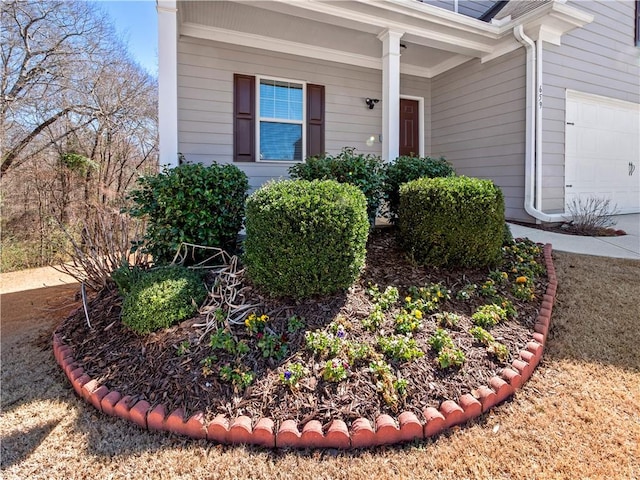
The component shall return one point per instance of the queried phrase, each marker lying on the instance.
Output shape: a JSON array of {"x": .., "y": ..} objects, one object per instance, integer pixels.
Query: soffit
[{"x": 346, "y": 31}]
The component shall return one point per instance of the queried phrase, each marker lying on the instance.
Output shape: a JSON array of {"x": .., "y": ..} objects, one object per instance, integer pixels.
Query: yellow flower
[
  {"x": 521, "y": 280},
  {"x": 417, "y": 314},
  {"x": 407, "y": 299}
]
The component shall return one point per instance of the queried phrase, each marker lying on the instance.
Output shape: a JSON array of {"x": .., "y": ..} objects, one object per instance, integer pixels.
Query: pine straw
[{"x": 578, "y": 417}]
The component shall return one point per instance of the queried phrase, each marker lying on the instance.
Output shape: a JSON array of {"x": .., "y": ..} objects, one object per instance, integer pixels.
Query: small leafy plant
[
  {"x": 183, "y": 348},
  {"x": 499, "y": 350},
  {"x": 236, "y": 375},
  {"x": 408, "y": 322},
  {"x": 440, "y": 339},
  {"x": 386, "y": 383},
  {"x": 450, "y": 357},
  {"x": 224, "y": 340},
  {"x": 295, "y": 324},
  {"x": 488, "y": 316},
  {"x": 400, "y": 348},
  {"x": 447, "y": 319},
  {"x": 255, "y": 323},
  {"x": 357, "y": 352},
  {"x": 336, "y": 370},
  {"x": 523, "y": 289},
  {"x": 374, "y": 320},
  {"x": 466, "y": 292},
  {"x": 273, "y": 346},
  {"x": 385, "y": 300},
  {"x": 481, "y": 335},
  {"x": 323, "y": 344},
  {"x": 292, "y": 375}
]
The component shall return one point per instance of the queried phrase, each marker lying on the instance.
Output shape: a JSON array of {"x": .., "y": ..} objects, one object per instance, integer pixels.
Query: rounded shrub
[
  {"x": 162, "y": 297},
  {"x": 405, "y": 169},
  {"x": 366, "y": 172},
  {"x": 305, "y": 237},
  {"x": 192, "y": 204},
  {"x": 452, "y": 221}
]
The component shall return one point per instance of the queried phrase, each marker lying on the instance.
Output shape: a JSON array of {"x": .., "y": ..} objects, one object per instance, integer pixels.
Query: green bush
[
  {"x": 403, "y": 170},
  {"x": 367, "y": 172},
  {"x": 193, "y": 204},
  {"x": 452, "y": 221},
  {"x": 162, "y": 297},
  {"x": 305, "y": 238}
]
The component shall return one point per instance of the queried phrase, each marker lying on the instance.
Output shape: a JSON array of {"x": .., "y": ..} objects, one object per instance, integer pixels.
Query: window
[
  {"x": 276, "y": 120},
  {"x": 281, "y": 126}
]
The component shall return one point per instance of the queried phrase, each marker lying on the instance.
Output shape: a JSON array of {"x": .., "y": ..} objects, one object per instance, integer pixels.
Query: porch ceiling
[{"x": 346, "y": 31}]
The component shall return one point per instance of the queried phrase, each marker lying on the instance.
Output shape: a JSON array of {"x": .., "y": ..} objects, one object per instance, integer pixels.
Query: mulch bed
[
  {"x": 568, "y": 228},
  {"x": 151, "y": 368}
]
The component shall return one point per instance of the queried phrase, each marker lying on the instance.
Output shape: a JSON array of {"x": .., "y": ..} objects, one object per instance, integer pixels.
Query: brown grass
[{"x": 578, "y": 417}]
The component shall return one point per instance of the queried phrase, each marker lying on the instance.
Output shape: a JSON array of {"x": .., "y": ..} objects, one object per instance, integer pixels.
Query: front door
[{"x": 409, "y": 127}]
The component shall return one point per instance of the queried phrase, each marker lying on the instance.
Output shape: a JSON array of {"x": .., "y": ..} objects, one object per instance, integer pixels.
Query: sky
[{"x": 136, "y": 24}]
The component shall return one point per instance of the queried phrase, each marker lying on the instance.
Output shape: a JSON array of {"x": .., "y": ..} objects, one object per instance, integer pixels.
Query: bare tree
[
  {"x": 78, "y": 119},
  {"x": 45, "y": 50}
]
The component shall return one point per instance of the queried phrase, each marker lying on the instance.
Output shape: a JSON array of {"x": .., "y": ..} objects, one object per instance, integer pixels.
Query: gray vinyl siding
[
  {"x": 205, "y": 101},
  {"x": 599, "y": 59},
  {"x": 478, "y": 123}
]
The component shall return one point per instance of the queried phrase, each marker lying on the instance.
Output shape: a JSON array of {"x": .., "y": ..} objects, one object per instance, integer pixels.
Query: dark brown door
[{"x": 409, "y": 127}]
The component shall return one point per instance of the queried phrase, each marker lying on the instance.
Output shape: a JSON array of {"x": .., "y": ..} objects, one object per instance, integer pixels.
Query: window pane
[
  {"x": 280, "y": 141},
  {"x": 280, "y": 100}
]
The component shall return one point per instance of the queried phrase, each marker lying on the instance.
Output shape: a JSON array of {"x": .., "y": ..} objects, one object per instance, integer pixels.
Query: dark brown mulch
[
  {"x": 568, "y": 228},
  {"x": 150, "y": 367}
]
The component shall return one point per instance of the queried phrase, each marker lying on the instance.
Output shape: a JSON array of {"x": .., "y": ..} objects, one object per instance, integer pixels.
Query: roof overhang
[{"x": 436, "y": 39}]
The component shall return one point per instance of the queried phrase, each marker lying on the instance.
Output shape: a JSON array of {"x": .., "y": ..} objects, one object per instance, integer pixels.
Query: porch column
[
  {"x": 167, "y": 82},
  {"x": 390, "y": 93}
]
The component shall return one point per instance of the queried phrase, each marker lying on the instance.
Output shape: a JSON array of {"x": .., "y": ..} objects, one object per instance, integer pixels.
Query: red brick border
[{"x": 387, "y": 430}]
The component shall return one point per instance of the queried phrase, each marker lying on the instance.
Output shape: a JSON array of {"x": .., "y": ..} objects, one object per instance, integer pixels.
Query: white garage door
[{"x": 602, "y": 150}]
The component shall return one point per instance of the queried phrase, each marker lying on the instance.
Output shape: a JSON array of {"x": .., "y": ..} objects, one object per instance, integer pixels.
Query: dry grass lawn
[{"x": 578, "y": 417}]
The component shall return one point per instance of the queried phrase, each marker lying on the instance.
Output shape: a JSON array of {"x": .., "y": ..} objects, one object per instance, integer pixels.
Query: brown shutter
[
  {"x": 315, "y": 120},
  {"x": 244, "y": 117}
]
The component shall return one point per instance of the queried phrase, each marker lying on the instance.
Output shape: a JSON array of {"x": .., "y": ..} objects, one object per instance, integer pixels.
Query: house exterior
[{"x": 542, "y": 97}]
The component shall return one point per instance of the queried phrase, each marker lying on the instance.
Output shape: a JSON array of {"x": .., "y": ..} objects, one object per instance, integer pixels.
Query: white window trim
[
  {"x": 420, "y": 101},
  {"x": 260, "y": 119}
]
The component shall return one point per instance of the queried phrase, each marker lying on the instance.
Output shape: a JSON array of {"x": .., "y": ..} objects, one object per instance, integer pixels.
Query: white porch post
[
  {"x": 167, "y": 82},
  {"x": 390, "y": 94}
]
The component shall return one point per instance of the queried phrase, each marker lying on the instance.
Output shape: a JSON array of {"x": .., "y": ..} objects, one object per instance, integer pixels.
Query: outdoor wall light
[{"x": 371, "y": 102}]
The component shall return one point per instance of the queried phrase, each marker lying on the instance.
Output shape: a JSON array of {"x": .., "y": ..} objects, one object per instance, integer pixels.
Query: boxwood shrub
[
  {"x": 452, "y": 221},
  {"x": 404, "y": 169},
  {"x": 367, "y": 172},
  {"x": 305, "y": 237},
  {"x": 160, "y": 298},
  {"x": 193, "y": 204}
]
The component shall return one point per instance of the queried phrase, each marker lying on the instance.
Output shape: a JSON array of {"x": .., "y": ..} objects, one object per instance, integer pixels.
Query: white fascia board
[
  {"x": 560, "y": 17},
  {"x": 277, "y": 45},
  {"x": 306, "y": 50},
  {"x": 476, "y": 48},
  {"x": 439, "y": 16}
]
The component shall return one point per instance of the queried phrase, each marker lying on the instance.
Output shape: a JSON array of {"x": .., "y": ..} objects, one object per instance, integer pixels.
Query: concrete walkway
[
  {"x": 625, "y": 246},
  {"x": 33, "y": 278}
]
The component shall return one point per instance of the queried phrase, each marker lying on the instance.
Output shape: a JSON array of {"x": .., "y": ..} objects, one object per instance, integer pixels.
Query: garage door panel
[{"x": 602, "y": 140}]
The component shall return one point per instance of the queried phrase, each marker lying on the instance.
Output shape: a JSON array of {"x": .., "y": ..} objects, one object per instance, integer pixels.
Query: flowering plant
[{"x": 336, "y": 370}]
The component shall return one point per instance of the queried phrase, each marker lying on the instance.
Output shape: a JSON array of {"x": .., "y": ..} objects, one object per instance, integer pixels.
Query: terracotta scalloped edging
[{"x": 387, "y": 430}]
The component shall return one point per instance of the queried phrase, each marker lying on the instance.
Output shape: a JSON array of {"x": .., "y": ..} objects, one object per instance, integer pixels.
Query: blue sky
[{"x": 137, "y": 25}]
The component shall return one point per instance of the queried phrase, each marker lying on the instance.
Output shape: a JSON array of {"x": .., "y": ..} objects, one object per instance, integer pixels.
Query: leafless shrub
[
  {"x": 591, "y": 215},
  {"x": 103, "y": 244},
  {"x": 227, "y": 300}
]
